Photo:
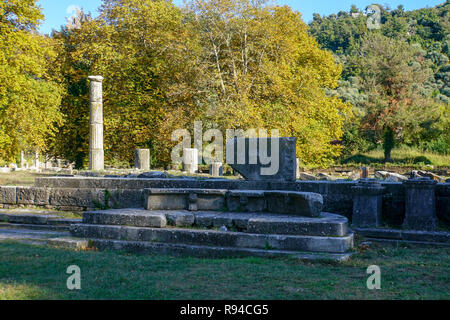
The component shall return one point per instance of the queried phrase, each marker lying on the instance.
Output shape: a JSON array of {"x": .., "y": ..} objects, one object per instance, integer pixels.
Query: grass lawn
[
  {"x": 32, "y": 272},
  {"x": 403, "y": 156}
]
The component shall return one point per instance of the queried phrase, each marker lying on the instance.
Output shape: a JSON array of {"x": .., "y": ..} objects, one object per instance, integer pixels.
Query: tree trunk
[{"x": 388, "y": 143}]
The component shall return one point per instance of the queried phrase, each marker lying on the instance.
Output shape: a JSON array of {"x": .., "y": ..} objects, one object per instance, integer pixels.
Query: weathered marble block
[
  {"x": 216, "y": 169},
  {"x": 367, "y": 203},
  {"x": 190, "y": 160},
  {"x": 420, "y": 204},
  {"x": 259, "y": 159},
  {"x": 142, "y": 159}
]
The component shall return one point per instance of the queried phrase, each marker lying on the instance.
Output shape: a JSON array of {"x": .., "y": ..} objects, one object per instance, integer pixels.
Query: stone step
[
  {"x": 306, "y": 204},
  {"x": 406, "y": 235},
  {"x": 265, "y": 223},
  {"x": 43, "y": 227},
  {"x": 26, "y": 235},
  {"x": 215, "y": 238},
  {"x": 69, "y": 243},
  {"x": 126, "y": 217},
  {"x": 212, "y": 251},
  {"x": 34, "y": 217}
]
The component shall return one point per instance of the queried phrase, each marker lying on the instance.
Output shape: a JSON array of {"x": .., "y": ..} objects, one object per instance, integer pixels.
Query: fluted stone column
[
  {"x": 190, "y": 160},
  {"x": 142, "y": 159},
  {"x": 367, "y": 203},
  {"x": 420, "y": 204},
  {"x": 96, "y": 153}
]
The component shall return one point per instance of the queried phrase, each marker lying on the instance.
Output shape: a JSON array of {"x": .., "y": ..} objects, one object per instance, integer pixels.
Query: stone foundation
[{"x": 337, "y": 195}]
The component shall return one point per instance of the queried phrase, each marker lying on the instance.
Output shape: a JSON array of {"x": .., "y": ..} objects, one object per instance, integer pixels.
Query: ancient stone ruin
[{"x": 263, "y": 215}]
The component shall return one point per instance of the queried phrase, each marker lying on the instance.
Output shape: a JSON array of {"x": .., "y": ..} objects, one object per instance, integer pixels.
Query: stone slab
[
  {"x": 407, "y": 235},
  {"x": 211, "y": 252},
  {"x": 185, "y": 199},
  {"x": 215, "y": 238},
  {"x": 126, "y": 217},
  {"x": 8, "y": 195},
  {"x": 298, "y": 203},
  {"x": 180, "y": 218},
  {"x": 327, "y": 225},
  {"x": 84, "y": 198},
  {"x": 246, "y": 200},
  {"x": 285, "y": 158},
  {"x": 32, "y": 195}
]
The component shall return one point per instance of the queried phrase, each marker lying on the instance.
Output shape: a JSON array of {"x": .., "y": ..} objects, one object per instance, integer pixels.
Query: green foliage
[
  {"x": 29, "y": 93},
  {"x": 397, "y": 76},
  {"x": 231, "y": 64}
]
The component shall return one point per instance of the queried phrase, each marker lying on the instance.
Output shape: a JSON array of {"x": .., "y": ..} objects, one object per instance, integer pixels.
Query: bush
[{"x": 440, "y": 145}]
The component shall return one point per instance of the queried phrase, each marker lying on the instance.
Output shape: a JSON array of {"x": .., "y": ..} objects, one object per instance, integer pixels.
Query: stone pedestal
[
  {"x": 37, "y": 163},
  {"x": 420, "y": 204},
  {"x": 96, "y": 153},
  {"x": 364, "y": 173},
  {"x": 142, "y": 159},
  {"x": 367, "y": 203},
  {"x": 190, "y": 160},
  {"x": 297, "y": 169},
  {"x": 216, "y": 169}
]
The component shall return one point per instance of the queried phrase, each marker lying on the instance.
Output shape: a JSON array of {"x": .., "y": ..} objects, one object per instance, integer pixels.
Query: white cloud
[{"x": 72, "y": 9}]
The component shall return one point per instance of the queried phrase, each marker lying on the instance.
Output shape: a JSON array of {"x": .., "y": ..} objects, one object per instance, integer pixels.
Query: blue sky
[{"x": 56, "y": 11}]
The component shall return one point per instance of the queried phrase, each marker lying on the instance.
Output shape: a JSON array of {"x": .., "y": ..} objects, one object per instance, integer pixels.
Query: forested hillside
[{"x": 396, "y": 76}]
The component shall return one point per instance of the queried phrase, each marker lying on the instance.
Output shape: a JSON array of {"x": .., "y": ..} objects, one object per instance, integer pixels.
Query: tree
[
  {"x": 147, "y": 55},
  {"x": 263, "y": 70},
  {"x": 393, "y": 73},
  {"x": 29, "y": 93},
  {"x": 231, "y": 64}
]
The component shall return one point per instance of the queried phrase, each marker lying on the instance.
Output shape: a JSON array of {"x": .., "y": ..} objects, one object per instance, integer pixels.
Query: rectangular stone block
[
  {"x": 128, "y": 198},
  {"x": 166, "y": 202},
  {"x": 85, "y": 198},
  {"x": 327, "y": 225},
  {"x": 126, "y": 217},
  {"x": 180, "y": 218},
  {"x": 32, "y": 196},
  {"x": 259, "y": 159},
  {"x": 185, "y": 199},
  {"x": 8, "y": 195},
  {"x": 246, "y": 201},
  {"x": 305, "y": 204},
  {"x": 210, "y": 202}
]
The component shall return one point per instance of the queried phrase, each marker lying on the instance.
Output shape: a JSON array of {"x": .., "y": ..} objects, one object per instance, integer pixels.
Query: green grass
[
  {"x": 31, "y": 272},
  {"x": 404, "y": 156}
]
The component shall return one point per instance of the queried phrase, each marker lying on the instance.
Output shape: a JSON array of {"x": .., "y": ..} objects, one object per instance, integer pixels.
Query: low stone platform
[
  {"x": 214, "y": 252},
  {"x": 412, "y": 237},
  {"x": 29, "y": 236},
  {"x": 261, "y": 223},
  {"x": 215, "y": 238},
  {"x": 34, "y": 219},
  {"x": 306, "y": 204},
  {"x": 216, "y": 233}
]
